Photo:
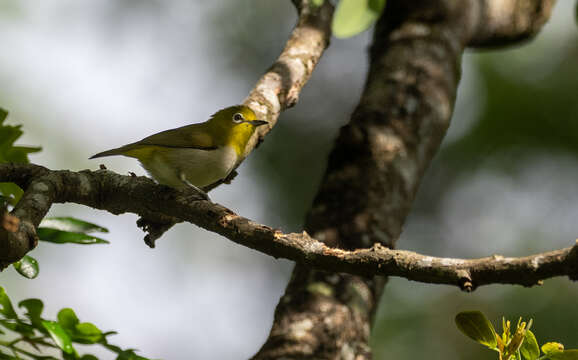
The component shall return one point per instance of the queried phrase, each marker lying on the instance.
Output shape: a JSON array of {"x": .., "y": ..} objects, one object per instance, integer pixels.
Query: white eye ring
[{"x": 238, "y": 118}]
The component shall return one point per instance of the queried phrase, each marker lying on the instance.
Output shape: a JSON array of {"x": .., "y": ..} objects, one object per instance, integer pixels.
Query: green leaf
[
  {"x": 4, "y": 356},
  {"x": 34, "y": 309},
  {"x": 108, "y": 333},
  {"x": 60, "y": 336},
  {"x": 563, "y": 355},
  {"x": 3, "y": 115},
  {"x": 530, "y": 349},
  {"x": 355, "y": 16},
  {"x": 113, "y": 348},
  {"x": 70, "y": 224},
  {"x": 66, "y": 356},
  {"x": 67, "y": 319},
  {"x": 62, "y": 230},
  {"x": 11, "y": 192},
  {"x": 129, "y": 355},
  {"x": 10, "y": 153},
  {"x": 13, "y": 154},
  {"x": 474, "y": 325},
  {"x": 18, "y": 326},
  {"x": 566, "y": 355},
  {"x": 551, "y": 348},
  {"x": 317, "y": 3},
  {"x": 87, "y": 333},
  {"x": 88, "y": 357},
  {"x": 27, "y": 267},
  {"x": 7, "y": 309},
  {"x": 3, "y": 200},
  {"x": 62, "y": 237},
  {"x": 84, "y": 333}
]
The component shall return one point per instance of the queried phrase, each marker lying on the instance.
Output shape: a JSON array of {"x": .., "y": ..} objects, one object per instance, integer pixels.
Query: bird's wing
[{"x": 189, "y": 136}]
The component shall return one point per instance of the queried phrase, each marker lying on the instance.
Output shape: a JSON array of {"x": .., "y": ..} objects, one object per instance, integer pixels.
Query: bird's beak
[{"x": 258, "y": 122}]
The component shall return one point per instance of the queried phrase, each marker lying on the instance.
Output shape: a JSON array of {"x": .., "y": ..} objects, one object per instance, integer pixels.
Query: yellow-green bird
[{"x": 195, "y": 155}]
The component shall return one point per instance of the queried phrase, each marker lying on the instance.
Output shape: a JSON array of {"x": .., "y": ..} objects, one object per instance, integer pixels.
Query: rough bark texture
[
  {"x": 377, "y": 163},
  {"x": 119, "y": 194},
  {"x": 371, "y": 180},
  {"x": 506, "y": 22}
]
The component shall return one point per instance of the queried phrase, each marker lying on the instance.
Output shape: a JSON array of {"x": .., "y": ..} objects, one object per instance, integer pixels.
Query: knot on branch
[
  {"x": 465, "y": 281},
  {"x": 16, "y": 239}
]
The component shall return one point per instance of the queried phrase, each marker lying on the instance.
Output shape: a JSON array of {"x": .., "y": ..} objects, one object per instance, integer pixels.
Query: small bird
[{"x": 196, "y": 155}]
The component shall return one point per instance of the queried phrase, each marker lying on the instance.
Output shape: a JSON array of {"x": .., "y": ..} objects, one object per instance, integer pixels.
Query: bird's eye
[{"x": 238, "y": 118}]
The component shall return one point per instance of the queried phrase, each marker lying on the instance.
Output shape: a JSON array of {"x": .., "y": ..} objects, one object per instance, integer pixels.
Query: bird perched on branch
[{"x": 197, "y": 155}]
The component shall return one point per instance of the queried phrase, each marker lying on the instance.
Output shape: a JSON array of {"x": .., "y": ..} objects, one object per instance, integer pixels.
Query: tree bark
[{"x": 377, "y": 163}]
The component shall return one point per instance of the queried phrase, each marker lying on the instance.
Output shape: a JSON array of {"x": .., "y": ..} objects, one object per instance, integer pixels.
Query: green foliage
[
  {"x": 475, "y": 325},
  {"x": 69, "y": 224},
  {"x": 6, "y": 310},
  {"x": 27, "y": 267},
  {"x": 12, "y": 154},
  {"x": 317, "y": 3},
  {"x": 61, "y": 230},
  {"x": 58, "y": 230},
  {"x": 355, "y": 16},
  {"x": 555, "y": 351},
  {"x": 530, "y": 348},
  {"x": 44, "y": 335},
  {"x": 518, "y": 343}
]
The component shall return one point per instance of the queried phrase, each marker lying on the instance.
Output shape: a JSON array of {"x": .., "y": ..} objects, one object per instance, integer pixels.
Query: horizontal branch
[{"x": 118, "y": 194}]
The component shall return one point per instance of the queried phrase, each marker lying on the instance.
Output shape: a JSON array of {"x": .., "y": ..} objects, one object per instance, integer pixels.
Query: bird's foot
[
  {"x": 194, "y": 189},
  {"x": 196, "y": 194}
]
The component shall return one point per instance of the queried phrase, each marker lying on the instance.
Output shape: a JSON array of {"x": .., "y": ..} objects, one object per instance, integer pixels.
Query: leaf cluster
[
  {"x": 58, "y": 230},
  {"x": 34, "y": 336},
  {"x": 9, "y": 153},
  {"x": 513, "y": 344}
]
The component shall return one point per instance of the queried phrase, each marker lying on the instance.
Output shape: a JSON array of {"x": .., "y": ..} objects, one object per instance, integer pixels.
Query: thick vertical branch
[
  {"x": 372, "y": 176},
  {"x": 380, "y": 157}
]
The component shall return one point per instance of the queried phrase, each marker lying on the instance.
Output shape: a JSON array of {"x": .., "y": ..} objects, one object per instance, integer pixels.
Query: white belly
[{"x": 199, "y": 167}]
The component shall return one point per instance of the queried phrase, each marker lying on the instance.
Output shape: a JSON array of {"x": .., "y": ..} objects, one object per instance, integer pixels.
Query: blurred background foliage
[{"x": 83, "y": 76}]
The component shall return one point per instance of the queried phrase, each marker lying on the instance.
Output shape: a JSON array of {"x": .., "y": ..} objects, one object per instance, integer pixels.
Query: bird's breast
[{"x": 200, "y": 167}]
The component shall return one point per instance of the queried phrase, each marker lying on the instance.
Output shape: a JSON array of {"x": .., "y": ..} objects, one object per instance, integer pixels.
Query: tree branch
[
  {"x": 374, "y": 171},
  {"x": 278, "y": 88},
  {"x": 507, "y": 22},
  {"x": 101, "y": 189}
]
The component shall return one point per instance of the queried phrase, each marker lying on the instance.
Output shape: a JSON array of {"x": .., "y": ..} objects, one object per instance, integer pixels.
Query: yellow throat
[{"x": 198, "y": 154}]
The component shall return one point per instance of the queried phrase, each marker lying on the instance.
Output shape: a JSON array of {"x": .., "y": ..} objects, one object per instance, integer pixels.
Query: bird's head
[{"x": 235, "y": 125}]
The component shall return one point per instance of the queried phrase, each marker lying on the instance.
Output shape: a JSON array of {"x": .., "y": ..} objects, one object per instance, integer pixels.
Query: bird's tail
[
  {"x": 117, "y": 151},
  {"x": 134, "y": 150}
]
